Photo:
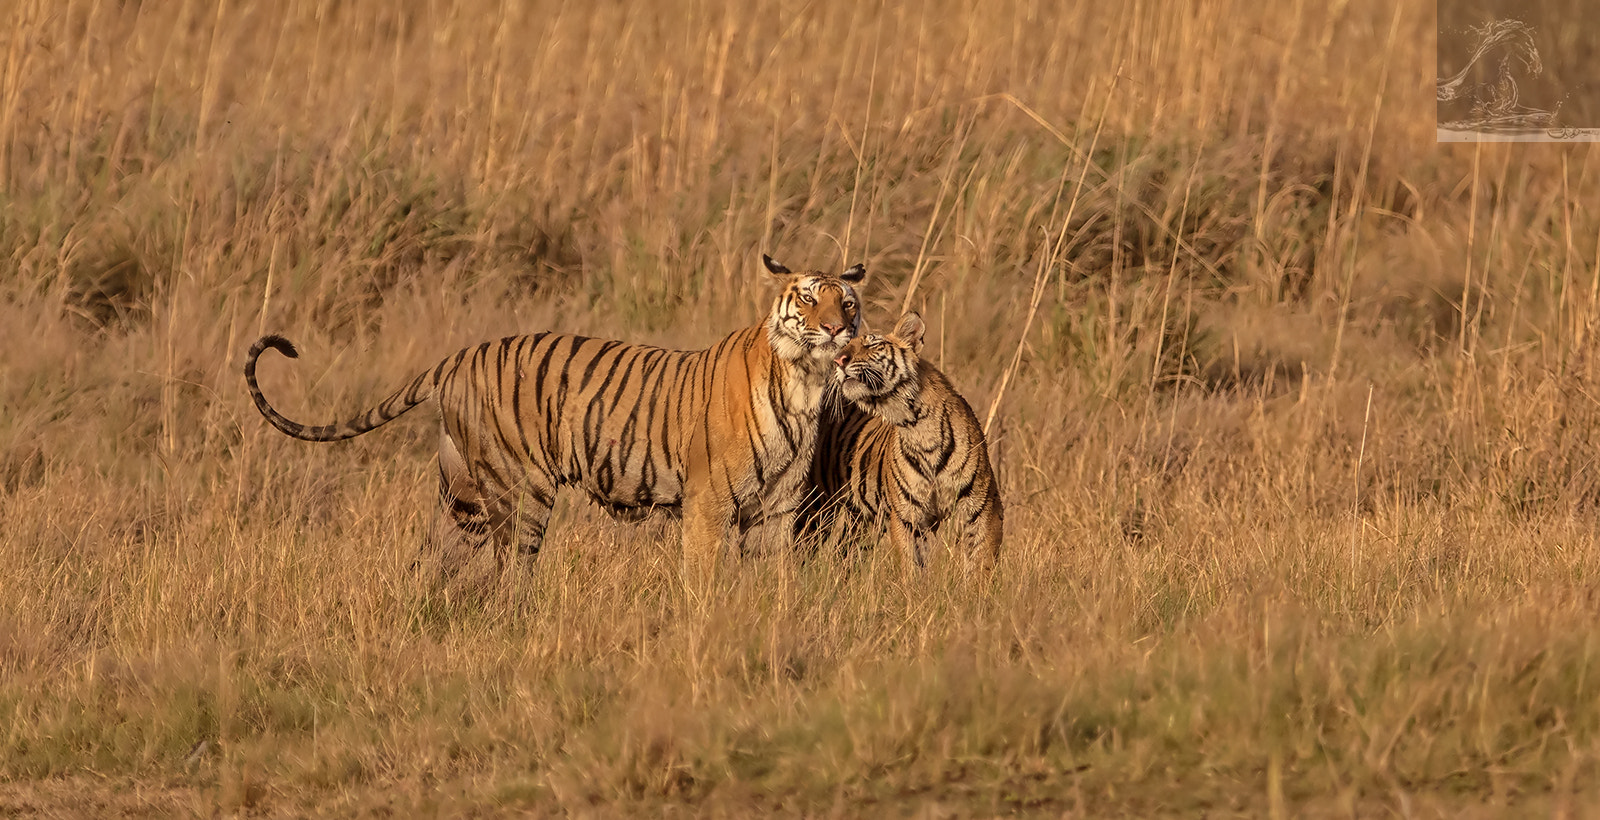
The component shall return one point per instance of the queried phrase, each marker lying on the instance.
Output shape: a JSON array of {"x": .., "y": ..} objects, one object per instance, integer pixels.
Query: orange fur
[{"x": 722, "y": 436}]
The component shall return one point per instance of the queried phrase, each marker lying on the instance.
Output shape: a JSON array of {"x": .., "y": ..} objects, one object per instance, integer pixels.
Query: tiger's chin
[
  {"x": 860, "y": 385},
  {"x": 853, "y": 389},
  {"x": 814, "y": 354},
  {"x": 825, "y": 351}
]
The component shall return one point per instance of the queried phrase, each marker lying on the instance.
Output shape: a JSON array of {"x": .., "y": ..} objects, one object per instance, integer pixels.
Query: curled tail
[{"x": 418, "y": 391}]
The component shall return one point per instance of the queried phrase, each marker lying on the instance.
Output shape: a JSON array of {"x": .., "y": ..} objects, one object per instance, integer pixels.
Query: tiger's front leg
[
  {"x": 710, "y": 513},
  {"x": 707, "y": 522},
  {"x": 772, "y": 535},
  {"x": 987, "y": 535},
  {"x": 813, "y": 523},
  {"x": 907, "y": 542}
]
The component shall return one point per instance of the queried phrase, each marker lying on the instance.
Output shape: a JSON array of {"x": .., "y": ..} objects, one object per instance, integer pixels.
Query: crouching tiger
[
  {"x": 722, "y": 436},
  {"x": 905, "y": 449}
]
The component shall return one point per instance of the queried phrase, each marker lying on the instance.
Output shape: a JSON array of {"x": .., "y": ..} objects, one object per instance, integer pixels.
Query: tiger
[
  {"x": 903, "y": 448},
  {"x": 721, "y": 438}
]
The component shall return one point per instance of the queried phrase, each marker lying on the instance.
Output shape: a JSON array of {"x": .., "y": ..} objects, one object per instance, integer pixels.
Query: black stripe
[
  {"x": 910, "y": 499},
  {"x": 688, "y": 379},
  {"x": 483, "y": 466},
  {"x": 542, "y": 371},
  {"x": 947, "y": 443},
  {"x": 500, "y": 357},
  {"x": 496, "y": 426},
  {"x": 780, "y": 408},
  {"x": 588, "y": 371},
  {"x": 646, "y": 491},
  {"x": 753, "y": 441},
  {"x": 966, "y": 489},
  {"x": 553, "y": 422},
  {"x": 913, "y": 462},
  {"x": 594, "y": 414},
  {"x": 494, "y": 422},
  {"x": 516, "y": 398},
  {"x": 449, "y": 363},
  {"x": 632, "y": 440},
  {"x": 977, "y": 511}
]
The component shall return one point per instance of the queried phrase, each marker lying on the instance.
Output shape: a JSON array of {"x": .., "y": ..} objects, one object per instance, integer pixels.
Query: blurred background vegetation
[{"x": 1297, "y": 450}]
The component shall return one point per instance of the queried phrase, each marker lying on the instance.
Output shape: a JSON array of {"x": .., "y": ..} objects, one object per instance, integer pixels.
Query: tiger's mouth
[
  {"x": 834, "y": 338},
  {"x": 857, "y": 381},
  {"x": 825, "y": 346}
]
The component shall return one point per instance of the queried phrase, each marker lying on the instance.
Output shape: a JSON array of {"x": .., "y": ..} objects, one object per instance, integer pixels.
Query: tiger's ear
[
  {"x": 854, "y": 274},
  {"x": 909, "y": 331},
  {"x": 774, "y": 267}
]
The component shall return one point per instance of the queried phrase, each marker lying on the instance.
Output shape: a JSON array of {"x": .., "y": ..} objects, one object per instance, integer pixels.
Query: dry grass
[{"x": 1298, "y": 459}]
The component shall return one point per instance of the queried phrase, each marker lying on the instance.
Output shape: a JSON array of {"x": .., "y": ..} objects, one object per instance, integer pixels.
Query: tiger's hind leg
[
  {"x": 518, "y": 520},
  {"x": 462, "y": 502}
]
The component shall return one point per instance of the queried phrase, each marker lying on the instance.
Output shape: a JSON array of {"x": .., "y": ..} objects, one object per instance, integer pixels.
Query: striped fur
[
  {"x": 722, "y": 437},
  {"x": 904, "y": 449}
]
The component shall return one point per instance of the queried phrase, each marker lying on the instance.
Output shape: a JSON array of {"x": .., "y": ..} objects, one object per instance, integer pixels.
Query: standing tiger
[
  {"x": 722, "y": 436},
  {"x": 906, "y": 450}
]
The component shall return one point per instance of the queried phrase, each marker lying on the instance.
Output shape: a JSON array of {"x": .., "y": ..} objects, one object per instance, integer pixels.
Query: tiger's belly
[{"x": 630, "y": 487}]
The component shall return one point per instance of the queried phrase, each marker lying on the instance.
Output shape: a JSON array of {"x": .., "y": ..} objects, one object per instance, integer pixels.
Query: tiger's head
[
  {"x": 877, "y": 371},
  {"x": 816, "y": 315}
]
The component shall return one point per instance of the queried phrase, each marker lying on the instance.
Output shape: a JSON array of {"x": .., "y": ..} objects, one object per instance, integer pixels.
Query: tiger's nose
[
  {"x": 832, "y": 330},
  {"x": 842, "y": 359}
]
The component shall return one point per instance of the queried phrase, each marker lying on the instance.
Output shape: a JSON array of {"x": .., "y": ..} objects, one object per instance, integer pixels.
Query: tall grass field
[{"x": 1296, "y": 414}]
